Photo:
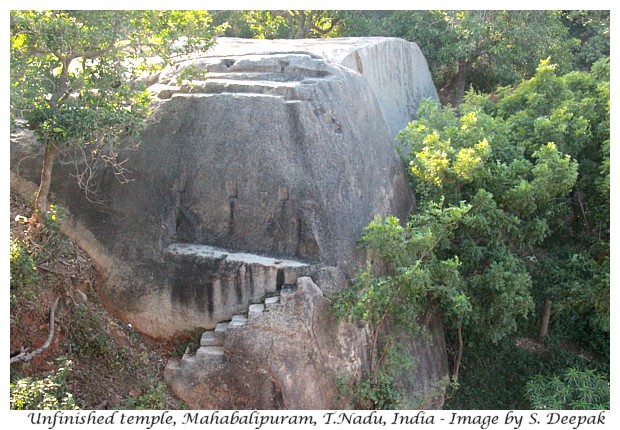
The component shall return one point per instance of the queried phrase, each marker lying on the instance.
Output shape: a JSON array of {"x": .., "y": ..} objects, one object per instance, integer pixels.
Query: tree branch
[
  {"x": 27, "y": 357},
  {"x": 334, "y": 22}
]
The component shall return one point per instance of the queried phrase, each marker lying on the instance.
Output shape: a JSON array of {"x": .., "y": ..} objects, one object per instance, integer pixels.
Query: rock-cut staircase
[
  {"x": 212, "y": 341},
  {"x": 248, "y": 286}
]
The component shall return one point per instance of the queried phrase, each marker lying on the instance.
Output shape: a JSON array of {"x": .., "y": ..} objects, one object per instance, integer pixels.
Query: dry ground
[{"x": 112, "y": 366}]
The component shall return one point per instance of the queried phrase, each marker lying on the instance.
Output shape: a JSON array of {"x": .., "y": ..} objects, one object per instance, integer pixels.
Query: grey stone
[
  {"x": 208, "y": 338},
  {"x": 237, "y": 321},
  {"x": 163, "y": 91},
  {"x": 274, "y": 165},
  {"x": 330, "y": 279},
  {"x": 220, "y": 332},
  {"x": 270, "y": 301},
  {"x": 294, "y": 356},
  {"x": 256, "y": 308},
  {"x": 210, "y": 352},
  {"x": 309, "y": 287}
]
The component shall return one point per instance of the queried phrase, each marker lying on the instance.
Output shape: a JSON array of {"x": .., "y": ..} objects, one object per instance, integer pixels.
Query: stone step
[
  {"x": 253, "y": 88},
  {"x": 220, "y": 331},
  {"x": 210, "y": 339},
  {"x": 238, "y": 321},
  {"x": 250, "y": 85},
  {"x": 255, "y": 76},
  {"x": 256, "y": 309},
  {"x": 271, "y": 301},
  {"x": 210, "y": 353}
]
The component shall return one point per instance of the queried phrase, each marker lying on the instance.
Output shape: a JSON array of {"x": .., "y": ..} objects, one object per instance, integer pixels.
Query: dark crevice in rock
[
  {"x": 279, "y": 279},
  {"x": 231, "y": 215},
  {"x": 250, "y": 284},
  {"x": 209, "y": 291},
  {"x": 228, "y": 62}
]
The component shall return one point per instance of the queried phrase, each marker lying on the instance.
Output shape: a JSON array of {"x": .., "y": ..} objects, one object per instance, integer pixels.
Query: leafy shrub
[
  {"x": 153, "y": 399},
  {"x": 574, "y": 389},
  {"x": 23, "y": 267},
  {"x": 496, "y": 377},
  {"x": 87, "y": 337},
  {"x": 49, "y": 393},
  {"x": 411, "y": 282}
]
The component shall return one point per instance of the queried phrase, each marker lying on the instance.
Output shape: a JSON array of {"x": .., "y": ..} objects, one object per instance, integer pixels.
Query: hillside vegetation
[{"x": 93, "y": 361}]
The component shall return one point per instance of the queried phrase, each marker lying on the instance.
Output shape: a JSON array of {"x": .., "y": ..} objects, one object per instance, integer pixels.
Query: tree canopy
[
  {"x": 513, "y": 209},
  {"x": 73, "y": 75},
  {"x": 278, "y": 24}
]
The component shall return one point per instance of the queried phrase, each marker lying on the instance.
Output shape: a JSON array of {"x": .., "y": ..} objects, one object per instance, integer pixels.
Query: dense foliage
[
  {"x": 513, "y": 195},
  {"x": 591, "y": 29},
  {"x": 277, "y": 24},
  {"x": 575, "y": 389},
  {"x": 498, "y": 377}
]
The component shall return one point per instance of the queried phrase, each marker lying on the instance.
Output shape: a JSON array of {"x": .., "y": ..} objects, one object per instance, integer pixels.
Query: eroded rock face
[
  {"x": 285, "y": 150},
  {"x": 286, "y": 355},
  {"x": 395, "y": 69},
  {"x": 248, "y": 189}
]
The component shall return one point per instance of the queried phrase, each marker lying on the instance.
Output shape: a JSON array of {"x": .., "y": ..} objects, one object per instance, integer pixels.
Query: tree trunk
[
  {"x": 459, "y": 354},
  {"x": 454, "y": 91},
  {"x": 41, "y": 202},
  {"x": 544, "y": 320}
]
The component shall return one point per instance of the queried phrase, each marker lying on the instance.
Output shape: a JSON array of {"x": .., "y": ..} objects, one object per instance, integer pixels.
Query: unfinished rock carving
[{"x": 250, "y": 190}]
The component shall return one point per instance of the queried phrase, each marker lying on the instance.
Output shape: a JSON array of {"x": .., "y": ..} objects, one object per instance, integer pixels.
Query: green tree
[
  {"x": 527, "y": 227},
  {"x": 73, "y": 75},
  {"x": 538, "y": 216},
  {"x": 468, "y": 158},
  {"x": 278, "y": 24},
  {"x": 591, "y": 28},
  {"x": 410, "y": 283},
  {"x": 573, "y": 111}
]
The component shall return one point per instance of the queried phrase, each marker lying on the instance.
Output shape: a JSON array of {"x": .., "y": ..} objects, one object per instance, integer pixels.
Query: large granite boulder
[
  {"x": 285, "y": 151},
  {"x": 249, "y": 192}
]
